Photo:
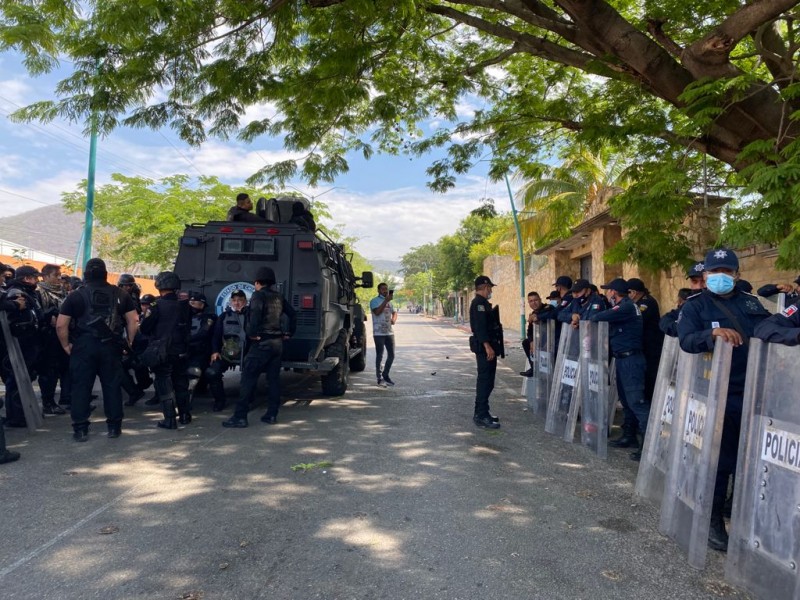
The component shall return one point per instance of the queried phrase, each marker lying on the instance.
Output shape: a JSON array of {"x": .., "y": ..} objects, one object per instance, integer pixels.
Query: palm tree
[{"x": 555, "y": 203}]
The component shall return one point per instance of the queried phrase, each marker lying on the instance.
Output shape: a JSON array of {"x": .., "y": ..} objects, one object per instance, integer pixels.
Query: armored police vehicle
[{"x": 312, "y": 272}]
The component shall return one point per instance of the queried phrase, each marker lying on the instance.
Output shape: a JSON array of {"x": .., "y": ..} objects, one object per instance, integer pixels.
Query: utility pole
[
  {"x": 88, "y": 224},
  {"x": 522, "y": 329}
]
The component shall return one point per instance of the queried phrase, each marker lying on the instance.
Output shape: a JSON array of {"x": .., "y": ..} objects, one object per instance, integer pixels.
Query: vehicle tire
[
  {"x": 334, "y": 383},
  {"x": 359, "y": 362}
]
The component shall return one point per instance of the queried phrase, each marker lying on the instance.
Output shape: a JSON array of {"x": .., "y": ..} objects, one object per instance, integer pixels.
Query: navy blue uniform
[
  {"x": 769, "y": 290},
  {"x": 699, "y": 315},
  {"x": 652, "y": 341},
  {"x": 669, "y": 322},
  {"x": 782, "y": 328},
  {"x": 625, "y": 326},
  {"x": 480, "y": 321}
]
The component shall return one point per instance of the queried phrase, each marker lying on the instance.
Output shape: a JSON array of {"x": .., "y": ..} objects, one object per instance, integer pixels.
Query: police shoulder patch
[
  {"x": 481, "y": 308},
  {"x": 616, "y": 307},
  {"x": 563, "y": 303},
  {"x": 789, "y": 310},
  {"x": 642, "y": 307}
]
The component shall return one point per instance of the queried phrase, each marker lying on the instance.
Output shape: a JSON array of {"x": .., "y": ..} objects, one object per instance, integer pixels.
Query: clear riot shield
[
  {"x": 774, "y": 304},
  {"x": 542, "y": 354},
  {"x": 30, "y": 404},
  {"x": 613, "y": 393},
  {"x": 594, "y": 386},
  {"x": 699, "y": 410},
  {"x": 764, "y": 545},
  {"x": 655, "y": 453},
  {"x": 565, "y": 381}
]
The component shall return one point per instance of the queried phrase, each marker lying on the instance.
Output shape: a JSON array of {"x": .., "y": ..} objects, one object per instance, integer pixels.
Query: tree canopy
[{"x": 667, "y": 79}]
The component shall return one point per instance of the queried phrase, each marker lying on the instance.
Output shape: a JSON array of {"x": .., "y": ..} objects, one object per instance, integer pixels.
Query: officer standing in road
[
  {"x": 100, "y": 312},
  {"x": 625, "y": 333},
  {"x": 53, "y": 363},
  {"x": 228, "y": 345},
  {"x": 266, "y": 337},
  {"x": 166, "y": 326},
  {"x": 722, "y": 311},
  {"x": 486, "y": 346}
]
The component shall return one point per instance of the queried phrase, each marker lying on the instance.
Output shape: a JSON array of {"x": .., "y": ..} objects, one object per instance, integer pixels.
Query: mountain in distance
[{"x": 387, "y": 267}]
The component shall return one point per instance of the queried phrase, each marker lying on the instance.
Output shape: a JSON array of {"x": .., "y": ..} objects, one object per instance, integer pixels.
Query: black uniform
[
  {"x": 98, "y": 312},
  {"x": 652, "y": 342},
  {"x": 266, "y": 308},
  {"x": 699, "y": 315},
  {"x": 26, "y": 327},
  {"x": 236, "y": 213},
  {"x": 168, "y": 324},
  {"x": 53, "y": 363},
  {"x": 669, "y": 323},
  {"x": 526, "y": 343},
  {"x": 481, "y": 321},
  {"x": 781, "y": 328},
  {"x": 229, "y": 340}
]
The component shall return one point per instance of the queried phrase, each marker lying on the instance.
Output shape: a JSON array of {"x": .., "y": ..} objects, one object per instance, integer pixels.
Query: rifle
[{"x": 496, "y": 329}]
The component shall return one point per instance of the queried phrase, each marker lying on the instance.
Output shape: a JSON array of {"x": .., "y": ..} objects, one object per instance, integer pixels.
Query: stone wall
[{"x": 757, "y": 266}]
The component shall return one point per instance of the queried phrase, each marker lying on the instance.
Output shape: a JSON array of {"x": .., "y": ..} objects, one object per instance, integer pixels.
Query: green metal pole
[
  {"x": 89, "y": 220},
  {"x": 522, "y": 329}
]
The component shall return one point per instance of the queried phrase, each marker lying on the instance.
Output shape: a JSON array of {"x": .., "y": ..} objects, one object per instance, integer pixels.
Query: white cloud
[{"x": 16, "y": 91}]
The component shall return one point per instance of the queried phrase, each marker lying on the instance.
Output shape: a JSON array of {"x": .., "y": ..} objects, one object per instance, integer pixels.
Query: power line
[{"x": 181, "y": 153}]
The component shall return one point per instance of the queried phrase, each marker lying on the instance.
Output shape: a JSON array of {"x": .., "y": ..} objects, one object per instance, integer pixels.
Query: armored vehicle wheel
[
  {"x": 335, "y": 382},
  {"x": 359, "y": 362}
]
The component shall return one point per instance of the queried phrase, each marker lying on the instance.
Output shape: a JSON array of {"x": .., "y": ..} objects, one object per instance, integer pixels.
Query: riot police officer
[
  {"x": 781, "y": 328},
  {"x": 652, "y": 336},
  {"x": 537, "y": 308},
  {"x": 200, "y": 330},
  {"x": 722, "y": 311},
  {"x": 53, "y": 363},
  {"x": 128, "y": 283},
  {"x": 266, "y": 336},
  {"x": 486, "y": 346},
  {"x": 100, "y": 311},
  {"x": 166, "y": 326},
  {"x": 228, "y": 345},
  {"x": 585, "y": 303},
  {"x": 625, "y": 334}
]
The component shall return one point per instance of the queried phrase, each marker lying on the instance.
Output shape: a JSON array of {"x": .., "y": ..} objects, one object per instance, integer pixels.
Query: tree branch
[
  {"x": 476, "y": 68},
  {"x": 528, "y": 43},
  {"x": 655, "y": 27}
]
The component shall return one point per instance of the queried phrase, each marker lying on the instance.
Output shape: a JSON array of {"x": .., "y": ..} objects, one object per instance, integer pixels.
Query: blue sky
[{"x": 384, "y": 201}]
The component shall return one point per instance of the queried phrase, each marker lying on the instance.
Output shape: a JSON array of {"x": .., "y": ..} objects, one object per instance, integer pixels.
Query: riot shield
[
  {"x": 774, "y": 304},
  {"x": 764, "y": 545},
  {"x": 655, "y": 452},
  {"x": 565, "y": 381},
  {"x": 699, "y": 410},
  {"x": 30, "y": 404},
  {"x": 613, "y": 393},
  {"x": 542, "y": 358},
  {"x": 594, "y": 386}
]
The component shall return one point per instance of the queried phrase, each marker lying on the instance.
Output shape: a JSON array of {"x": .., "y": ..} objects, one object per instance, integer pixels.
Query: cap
[
  {"x": 580, "y": 285},
  {"x": 197, "y": 297},
  {"x": 238, "y": 294},
  {"x": 266, "y": 275},
  {"x": 636, "y": 285},
  {"x": 483, "y": 280},
  {"x": 564, "y": 281},
  {"x": 26, "y": 271},
  {"x": 721, "y": 258},
  {"x": 554, "y": 295},
  {"x": 744, "y": 286},
  {"x": 696, "y": 270},
  {"x": 618, "y": 285}
]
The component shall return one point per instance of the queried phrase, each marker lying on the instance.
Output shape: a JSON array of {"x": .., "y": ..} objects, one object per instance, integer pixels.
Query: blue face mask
[
  {"x": 720, "y": 283},
  {"x": 554, "y": 303}
]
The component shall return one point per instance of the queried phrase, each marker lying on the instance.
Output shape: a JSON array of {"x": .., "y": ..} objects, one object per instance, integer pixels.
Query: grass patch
[{"x": 305, "y": 467}]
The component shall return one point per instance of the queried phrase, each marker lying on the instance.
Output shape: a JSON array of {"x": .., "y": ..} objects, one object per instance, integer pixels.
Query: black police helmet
[
  {"x": 265, "y": 275},
  {"x": 147, "y": 299},
  {"x": 126, "y": 279},
  {"x": 167, "y": 280}
]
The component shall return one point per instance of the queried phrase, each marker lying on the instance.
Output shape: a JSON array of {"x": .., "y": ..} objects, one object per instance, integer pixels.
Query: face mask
[
  {"x": 720, "y": 283},
  {"x": 489, "y": 297},
  {"x": 553, "y": 303}
]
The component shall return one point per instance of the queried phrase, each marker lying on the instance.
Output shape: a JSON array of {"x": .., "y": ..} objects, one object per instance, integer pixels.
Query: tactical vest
[
  {"x": 101, "y": 317},
  {"x": 197, "y": 324},
  {"x": 271, "y": 314}
]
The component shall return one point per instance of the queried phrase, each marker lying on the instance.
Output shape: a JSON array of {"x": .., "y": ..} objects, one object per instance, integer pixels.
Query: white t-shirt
[{"x": 382, "y": 323}]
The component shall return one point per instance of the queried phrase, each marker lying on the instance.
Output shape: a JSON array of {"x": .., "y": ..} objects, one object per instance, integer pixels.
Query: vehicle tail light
[
  {"x": 226, "y": 229},
  {"x": 273, "y": 231},
  {"x": 249, "y": 229},
  {"x": 307, "y": 301},
  {"x": 305, "y": 245}
]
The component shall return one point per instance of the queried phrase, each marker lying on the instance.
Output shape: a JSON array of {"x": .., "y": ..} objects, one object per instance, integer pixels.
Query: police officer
[
  {"x": 486, "y": 346},
  {"x": 790, "y": 289},
  {"x": 200, "y": 330},
  {"x": 695, "y": 276},
  {"x": 100, "y": 312},
  {"x": 562, "y": 285},
  {"x": 625, "y": 333},
  {"x": 166, "y": 326},
  {"x": 25, "y": 325},
  {"x": 266, "y": 337},
  {"x": 585, "y": 303},
  {"x": 11, "y": 307},
  {"x": 128, "y": 283},
  {"x": 53, "y": 363},
  {"x": 652, "y": 336},
  {"x": 781, "y": 328},
  {"x": 669, "y": 322},
  {"x": 722, "y": 311},
  {"x": 228, "y": 345}
]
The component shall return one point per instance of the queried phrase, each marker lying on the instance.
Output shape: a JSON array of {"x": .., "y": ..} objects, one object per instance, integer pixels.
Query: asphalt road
[{"x": 385, "y": 493}]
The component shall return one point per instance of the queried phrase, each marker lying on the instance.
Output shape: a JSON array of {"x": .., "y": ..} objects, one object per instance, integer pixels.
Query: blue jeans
[{"x": 382, "y": 341}]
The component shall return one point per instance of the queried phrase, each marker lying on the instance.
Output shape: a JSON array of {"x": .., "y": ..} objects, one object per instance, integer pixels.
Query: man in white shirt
[{"x": 384, "y": 315}]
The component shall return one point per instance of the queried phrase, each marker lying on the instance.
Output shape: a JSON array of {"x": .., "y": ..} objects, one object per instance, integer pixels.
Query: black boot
[
  {"x": 6, "y": 456},
  {"x": 636, "y": 455},
  {"x": 114, "y": 430},
  {"x": 717, "y": 536},
  {"x": 185, "y": 418},
  {"x": 628, "y": 439},
  {"x": 80, "y": 433},
  {"x": 168, "y": 408}
]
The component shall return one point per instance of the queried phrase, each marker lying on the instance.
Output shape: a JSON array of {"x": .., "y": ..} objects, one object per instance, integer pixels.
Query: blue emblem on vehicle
[{"x": 224, "y": 295}]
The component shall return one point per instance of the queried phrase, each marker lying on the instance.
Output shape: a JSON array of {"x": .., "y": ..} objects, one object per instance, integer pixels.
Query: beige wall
[{"x": 757, "y": 266}]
